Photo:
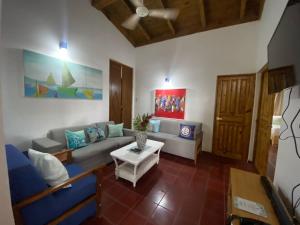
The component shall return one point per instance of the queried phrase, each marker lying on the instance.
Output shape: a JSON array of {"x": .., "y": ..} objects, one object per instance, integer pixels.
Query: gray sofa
[
  {"x": 169, "y": 134},
  {"x": 92, "y": 155}
]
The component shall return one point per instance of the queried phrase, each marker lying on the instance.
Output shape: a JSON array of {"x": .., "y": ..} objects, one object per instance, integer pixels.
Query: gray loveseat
[
  {"x": 169, "y": 133},
  {"x": 92, "y": 155}
]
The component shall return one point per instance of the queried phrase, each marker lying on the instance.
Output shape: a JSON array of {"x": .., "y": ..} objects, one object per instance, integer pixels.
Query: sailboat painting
[{"x": 48, "y": 77}]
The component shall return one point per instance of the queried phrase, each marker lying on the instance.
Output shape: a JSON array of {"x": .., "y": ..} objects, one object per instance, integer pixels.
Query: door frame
[
  {"x": 246, "y": 154},
  {"x": 133, "y": 87},
  {"x": 261, "y": 71}
]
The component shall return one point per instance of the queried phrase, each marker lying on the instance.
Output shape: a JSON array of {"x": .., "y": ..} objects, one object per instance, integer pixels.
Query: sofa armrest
[
  {"x": 128, "y": 132},
  {"x": 46, "y": 145},
  {"x": 198, "y": 145},
  {"x": 97, "y": 171}
]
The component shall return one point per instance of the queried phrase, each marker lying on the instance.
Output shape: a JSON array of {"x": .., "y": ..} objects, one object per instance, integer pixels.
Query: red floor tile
[
  {"x": 211, "y": 218},
  {"x": 98, "y": 221},
  {"x": 155, "y": 195},
  {"x": 162, "y": 216},
  {"x": 173, "y": 193},
  {"x": 172, "y": 202},
  {"x": 115, "y": 213},
  {"x": 145, "y": 208},
  {"x": 130, "y": 198},
  {"x": 133, "y": 219}
]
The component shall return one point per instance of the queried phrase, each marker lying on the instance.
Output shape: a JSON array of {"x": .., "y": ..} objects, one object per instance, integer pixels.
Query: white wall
[
  {"x": 288, "y": 164},
  {"x": 39, "y": 26},
  {"x": 193, "y": 62},
  {"x": 272, "y": 12},
  {"x": 6, "y": 216}
]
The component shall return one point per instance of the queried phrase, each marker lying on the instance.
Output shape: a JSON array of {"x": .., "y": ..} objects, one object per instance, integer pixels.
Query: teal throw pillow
[
  {"x": 75, "y": 139},
  {"x": 155, "y": 125},
  {"x": 115, "y": 130},
  {"x": 94, "y": 134}
]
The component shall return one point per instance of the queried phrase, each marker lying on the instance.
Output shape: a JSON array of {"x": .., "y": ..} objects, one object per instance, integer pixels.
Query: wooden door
[
  {"x": 264, "y": 126},
  {"x": 115, "y": 92},
  {"x": 120, "y": 96},
  {"x": 233, "y": 115},
  {"x": 127, "y": 85}
]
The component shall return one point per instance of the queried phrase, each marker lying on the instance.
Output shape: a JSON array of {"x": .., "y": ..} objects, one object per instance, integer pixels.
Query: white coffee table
[{"x": 135, "y": 165}]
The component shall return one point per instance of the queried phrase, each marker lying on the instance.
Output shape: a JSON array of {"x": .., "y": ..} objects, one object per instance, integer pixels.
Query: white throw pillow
[{"x": 51, "y": 169}]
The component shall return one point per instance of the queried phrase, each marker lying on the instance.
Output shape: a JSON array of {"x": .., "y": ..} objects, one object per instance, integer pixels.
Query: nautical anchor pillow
[{"x": 187, "y": 131}]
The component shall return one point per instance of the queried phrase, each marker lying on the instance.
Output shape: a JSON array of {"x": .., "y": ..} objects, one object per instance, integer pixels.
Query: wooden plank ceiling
[{"x": 194, "y": 16}]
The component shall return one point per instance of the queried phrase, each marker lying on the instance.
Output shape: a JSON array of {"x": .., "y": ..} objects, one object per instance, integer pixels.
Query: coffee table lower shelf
[{"x": 132, "y": 172}]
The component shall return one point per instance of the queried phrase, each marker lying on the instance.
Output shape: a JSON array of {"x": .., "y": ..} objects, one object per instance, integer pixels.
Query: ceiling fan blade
[
  {"x": 131, "y": 22},
  {"x": 137, "y": 3},
  {"x": 170, "y": 14}
]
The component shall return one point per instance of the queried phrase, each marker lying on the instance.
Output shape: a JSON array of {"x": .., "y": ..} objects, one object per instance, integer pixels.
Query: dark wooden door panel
[
  {"x": 120, "y": 96},
  {"x": 233, "y": 115},
  {"x": 264, "y": 126},
  {"x": 115, "y": 95},
  {"x": 127, "y": 86}
]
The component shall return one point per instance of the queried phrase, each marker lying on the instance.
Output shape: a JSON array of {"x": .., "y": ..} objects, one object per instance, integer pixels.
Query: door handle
[{"x": 219, "y": 118}]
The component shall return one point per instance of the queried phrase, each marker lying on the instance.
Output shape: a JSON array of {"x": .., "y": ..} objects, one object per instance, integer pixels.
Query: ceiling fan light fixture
[{"x": 142, "y": 11}]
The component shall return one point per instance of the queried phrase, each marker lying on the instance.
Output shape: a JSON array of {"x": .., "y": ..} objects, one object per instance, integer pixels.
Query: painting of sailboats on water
[{"x": 48, "y": 77}]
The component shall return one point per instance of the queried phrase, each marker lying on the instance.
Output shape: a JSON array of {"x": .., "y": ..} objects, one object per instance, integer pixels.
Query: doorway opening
[
  {"x": 275, "y": 133},
  {"x": 269, "y": 120}
]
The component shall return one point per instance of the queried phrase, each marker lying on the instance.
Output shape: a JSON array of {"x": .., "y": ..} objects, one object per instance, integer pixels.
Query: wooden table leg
[{"x": 117, "y": 168}]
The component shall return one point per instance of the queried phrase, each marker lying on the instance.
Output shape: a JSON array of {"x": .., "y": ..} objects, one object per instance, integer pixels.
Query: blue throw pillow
[
  {"x": 155, "y": 125},
  {"x": 94, "y": 134},
  {"x": 75, "y": 139},
  {"x": 187, "y": 131}
]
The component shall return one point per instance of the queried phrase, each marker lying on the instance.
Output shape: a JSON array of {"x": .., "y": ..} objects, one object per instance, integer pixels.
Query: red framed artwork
[{"x": 170, "y": 103}]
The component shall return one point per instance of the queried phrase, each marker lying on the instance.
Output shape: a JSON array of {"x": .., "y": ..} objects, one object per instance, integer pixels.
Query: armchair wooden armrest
[
  {"x": 97, "y": 171},
  {"x": 64, "y": 155}
]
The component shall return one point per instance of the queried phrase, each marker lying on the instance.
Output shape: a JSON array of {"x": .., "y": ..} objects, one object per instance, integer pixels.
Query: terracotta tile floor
[{"x": 173, "y": 193}]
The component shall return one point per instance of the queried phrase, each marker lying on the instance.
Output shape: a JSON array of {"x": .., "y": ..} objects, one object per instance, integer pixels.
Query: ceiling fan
[{"x": 142, "y": 11}]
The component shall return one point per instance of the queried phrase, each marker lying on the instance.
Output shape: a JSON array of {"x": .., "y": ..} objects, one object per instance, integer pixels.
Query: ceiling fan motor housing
[{"x": 142, "y": 11}]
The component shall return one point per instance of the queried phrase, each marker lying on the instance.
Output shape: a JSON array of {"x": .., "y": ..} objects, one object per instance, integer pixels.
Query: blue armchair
[{"x": 35, "y": 203}]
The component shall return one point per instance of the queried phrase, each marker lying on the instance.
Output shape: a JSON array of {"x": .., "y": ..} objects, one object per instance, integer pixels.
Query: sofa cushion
[
  {"x": 62, "y": 200},
  {"x": 173, "y": 126},
  {"x": 51, "y": 168},
  {"x": 104, "y": 126},
  {"x": 115, "y": 130},
  {"x": 95, "y": 134},
  {"x": 169, "y": 126},
  {"x": 59, "y": 134},
  {"x": 75, "y": 139},
  {"x": 187, "y": 131},
  {"x": 159, "y": 136},
  {"x": 83, "y": 188},
  {"x": 94, "y": 149},
  {"x": 24, "y": 179},
  {"x": 174, "y": 144},
  {"x": 154, "y": 125},
  {"x": 123, "y": 140},
  {"x": 46, "y": 145}
]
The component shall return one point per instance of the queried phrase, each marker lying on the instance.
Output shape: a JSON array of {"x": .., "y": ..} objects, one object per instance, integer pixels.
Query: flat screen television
[{"x": 284, "y": 50}]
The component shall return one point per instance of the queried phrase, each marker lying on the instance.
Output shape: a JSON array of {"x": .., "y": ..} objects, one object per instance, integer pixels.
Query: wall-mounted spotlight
[
  {"x": 167, "y": 84},
  {"x": 63, "y": 50}
]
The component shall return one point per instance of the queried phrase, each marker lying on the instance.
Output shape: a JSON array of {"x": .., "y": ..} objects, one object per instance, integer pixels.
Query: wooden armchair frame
[{"x": 64, "y": 156}]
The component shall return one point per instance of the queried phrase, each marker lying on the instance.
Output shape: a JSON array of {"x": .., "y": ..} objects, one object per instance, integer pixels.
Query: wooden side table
[{"x": 248, "y": 186}]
